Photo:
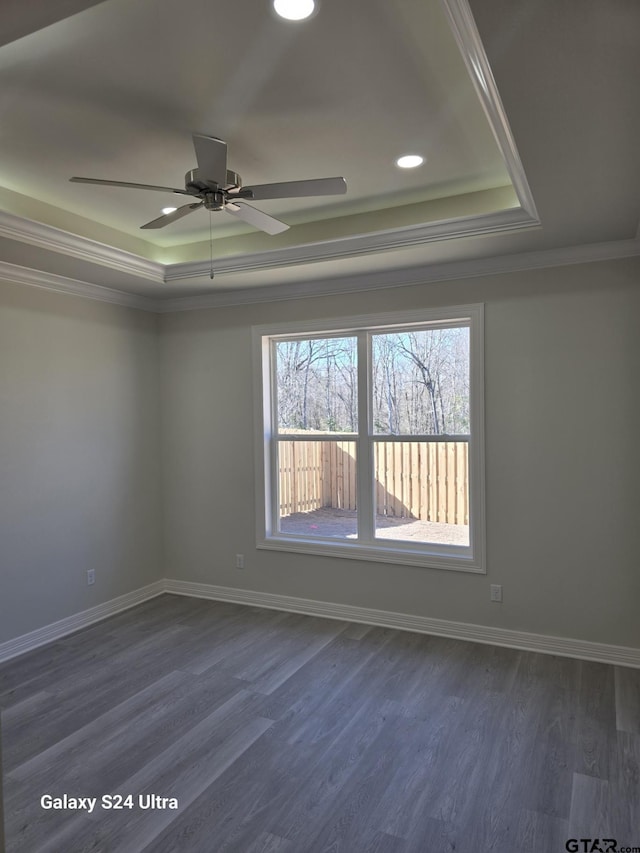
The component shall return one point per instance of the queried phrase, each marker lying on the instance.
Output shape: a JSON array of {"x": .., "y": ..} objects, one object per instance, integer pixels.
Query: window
[{"x": 370, "y": 438}]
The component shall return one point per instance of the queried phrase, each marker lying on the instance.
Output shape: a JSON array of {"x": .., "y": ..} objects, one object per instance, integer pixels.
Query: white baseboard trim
[
  {"x": 565, "y": 647},
  {"x": 41, "y": 636}
]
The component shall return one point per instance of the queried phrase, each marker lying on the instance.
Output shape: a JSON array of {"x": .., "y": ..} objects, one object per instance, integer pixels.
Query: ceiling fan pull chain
[{"x": 210, "y": 246}]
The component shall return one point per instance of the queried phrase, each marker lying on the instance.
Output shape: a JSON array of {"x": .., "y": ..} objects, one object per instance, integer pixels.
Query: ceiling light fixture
[
  {"x": 294, "y": 10},
  {"x": 166, "y": 210},
  {"x": 409, "y": 161}
]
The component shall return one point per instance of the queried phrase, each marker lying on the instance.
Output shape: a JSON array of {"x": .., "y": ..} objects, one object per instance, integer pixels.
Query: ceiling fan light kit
[{"x": 218, "y": 188}]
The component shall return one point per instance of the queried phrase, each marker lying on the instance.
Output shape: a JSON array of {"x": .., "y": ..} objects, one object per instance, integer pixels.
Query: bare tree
[
  {"x": 420, "y": 382},
  {"x": 317, "y": 384},
  {"x": 428, "y": 370}
]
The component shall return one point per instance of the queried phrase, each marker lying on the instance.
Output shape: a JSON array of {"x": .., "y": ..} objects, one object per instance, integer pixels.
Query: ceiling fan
[{"x": 218, "y": 188}]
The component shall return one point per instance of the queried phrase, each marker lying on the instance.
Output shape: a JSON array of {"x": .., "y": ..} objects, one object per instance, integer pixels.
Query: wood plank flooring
[{"x": 282, "y": 733}]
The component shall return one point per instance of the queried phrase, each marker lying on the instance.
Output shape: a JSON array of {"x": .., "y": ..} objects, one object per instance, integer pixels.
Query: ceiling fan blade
[
  {"x": 211, "y": 154},
  {"x": 297, "y": 189},
  {"x": 127, "y": 184},
  {"x": 168, "y": 218},
  {"x": 260, "y": 220}
]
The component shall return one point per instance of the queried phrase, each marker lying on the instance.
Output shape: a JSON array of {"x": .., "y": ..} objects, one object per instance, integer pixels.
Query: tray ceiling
[{"x": 115, "y": 89}]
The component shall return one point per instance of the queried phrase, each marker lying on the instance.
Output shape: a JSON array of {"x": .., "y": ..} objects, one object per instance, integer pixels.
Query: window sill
[{"x": 451, "y": 558}]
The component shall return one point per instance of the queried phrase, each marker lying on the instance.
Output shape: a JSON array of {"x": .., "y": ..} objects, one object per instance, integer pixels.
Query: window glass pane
[
  {"x": 422, "y": 491},
  {"x": 317, "y": 385},
  {"x": 317, "y": 488},
  {"x": 421, "y": 382}
]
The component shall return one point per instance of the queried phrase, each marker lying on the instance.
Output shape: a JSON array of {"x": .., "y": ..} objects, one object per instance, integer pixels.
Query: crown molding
[
  {"x": 376, "y": 280},
  {"x": 465, "y": 32},
  {"x": 448, "y": 271},
  {"x": 379, "y": 241},
  {"x": 61, "y": 284},
  {"x": 82, "y": 248}
]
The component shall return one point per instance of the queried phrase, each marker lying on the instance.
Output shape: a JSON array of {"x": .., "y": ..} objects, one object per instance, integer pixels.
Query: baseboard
[
  {"x": 565, "y": 647},
  {"x": 41, "y": 636}
]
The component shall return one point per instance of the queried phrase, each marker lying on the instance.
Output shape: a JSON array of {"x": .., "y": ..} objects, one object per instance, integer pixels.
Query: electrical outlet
[
  {"x": 91, "y": 577},
  {"x": 496, "y": 592},
  {"x": 239, "y": 561}
]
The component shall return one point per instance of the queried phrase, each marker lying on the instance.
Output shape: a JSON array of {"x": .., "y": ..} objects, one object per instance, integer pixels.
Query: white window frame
[{"x": 427, "y": 555}]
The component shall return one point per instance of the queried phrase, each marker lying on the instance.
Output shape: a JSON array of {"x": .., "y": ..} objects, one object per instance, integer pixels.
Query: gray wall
[
  {"x": 79, "y": 472},
  {"x": 563, "y": 456},
  {"x": 85, "y": 422}
]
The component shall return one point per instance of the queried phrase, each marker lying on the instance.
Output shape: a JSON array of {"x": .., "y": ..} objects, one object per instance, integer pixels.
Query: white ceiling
[{"x": 114, "y": 90}]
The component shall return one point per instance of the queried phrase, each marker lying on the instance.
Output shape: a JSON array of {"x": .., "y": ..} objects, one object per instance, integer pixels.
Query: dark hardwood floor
[{"x": 282, "y": 733}]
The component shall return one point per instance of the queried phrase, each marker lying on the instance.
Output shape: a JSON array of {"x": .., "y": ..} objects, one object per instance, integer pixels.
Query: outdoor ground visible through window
[{"x": 341, "y": 524}]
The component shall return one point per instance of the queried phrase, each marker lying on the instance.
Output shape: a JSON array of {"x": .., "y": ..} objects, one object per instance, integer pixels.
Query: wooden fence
[{"x": 424, "y": 480}]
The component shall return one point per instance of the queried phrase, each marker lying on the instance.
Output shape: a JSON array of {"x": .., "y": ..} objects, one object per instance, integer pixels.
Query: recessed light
[
  {"x": 409, "y": 161},
  {"x": 294, "y": 10},
  {"x": 166, "y": 210}
]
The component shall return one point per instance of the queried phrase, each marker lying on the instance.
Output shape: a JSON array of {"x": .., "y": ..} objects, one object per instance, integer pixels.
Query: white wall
[
  {"x": 563, "y": 456},
  {"x": 79, "y": 462}
]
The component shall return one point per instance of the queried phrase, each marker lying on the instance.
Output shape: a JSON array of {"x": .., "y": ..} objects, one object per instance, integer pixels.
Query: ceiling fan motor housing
[{"x": 196, "y": 184}]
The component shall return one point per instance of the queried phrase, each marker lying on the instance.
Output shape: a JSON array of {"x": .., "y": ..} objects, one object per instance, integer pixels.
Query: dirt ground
[{"x": 341, "y": 524}]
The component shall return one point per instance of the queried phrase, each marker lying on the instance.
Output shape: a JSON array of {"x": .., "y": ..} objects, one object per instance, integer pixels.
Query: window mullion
[{"x": 365, "y": 448}]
